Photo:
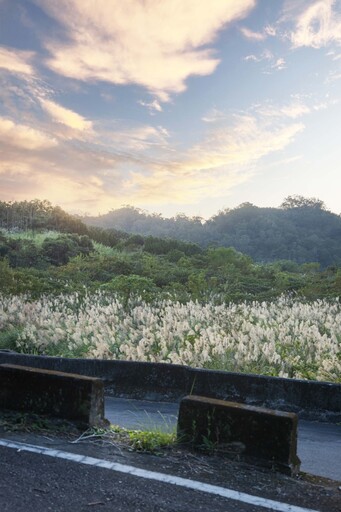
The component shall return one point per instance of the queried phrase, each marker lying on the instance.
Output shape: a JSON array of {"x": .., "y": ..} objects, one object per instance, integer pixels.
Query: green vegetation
[
  {"x": 152, "y": 441},
  {"x": 35, "y": 258},
  {"x": 87, "y": 291},
  {"x": 52, "y": 262},
  {"x": 301, "y": 230}
]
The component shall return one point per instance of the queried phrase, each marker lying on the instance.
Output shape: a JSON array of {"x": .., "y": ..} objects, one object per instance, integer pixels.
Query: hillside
[
  {"x": 301, "y": 230},
  {"x": 62, "y": 293},
  {"x": 37, "y": 258}
]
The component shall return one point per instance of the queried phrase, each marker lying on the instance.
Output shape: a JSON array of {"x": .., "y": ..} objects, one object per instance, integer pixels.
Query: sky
[{"x": 171, "y": 106}]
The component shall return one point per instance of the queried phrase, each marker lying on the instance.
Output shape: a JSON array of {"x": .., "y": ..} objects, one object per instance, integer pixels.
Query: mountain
[{"x": 301, "y": 230}]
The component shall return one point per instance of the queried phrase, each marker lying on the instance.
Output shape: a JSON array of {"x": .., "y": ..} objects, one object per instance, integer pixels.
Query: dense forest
[
  {"x": 45, "y": 250},
  {"x": 300, "y": 230}
]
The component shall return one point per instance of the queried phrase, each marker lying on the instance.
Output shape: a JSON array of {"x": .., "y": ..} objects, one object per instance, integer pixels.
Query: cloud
[
  {"x": 269, "y": 30},
  {"x": 318, "y": 25},
  {"x": 16, "y": 61},
  {"x": 224, "y": 159},
  {"x": 254, "y": 36},
  {"x": 154, "y": 44},
  {"x": 292, "y": 110},
  {"x": 265, "y": 55},
  {"x": 139, "y": 165},
  {"x": 153, "y": 106},
  {"x": 279, "y": 64},
  {"x": 65, "y": 116},
  {"x": 24, "y": 137},
  {"x": 213, "y": 116}
]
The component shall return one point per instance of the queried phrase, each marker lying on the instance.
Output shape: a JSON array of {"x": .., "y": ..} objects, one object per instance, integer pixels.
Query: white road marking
[{"x": 159, "y": 477}]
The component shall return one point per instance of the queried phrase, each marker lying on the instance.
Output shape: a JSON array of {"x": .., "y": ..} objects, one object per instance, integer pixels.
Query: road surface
[{"x": 81, "y": 477}]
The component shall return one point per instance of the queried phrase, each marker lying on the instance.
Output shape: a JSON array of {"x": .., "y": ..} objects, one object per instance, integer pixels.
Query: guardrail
[{"x": 159, "y": 381}]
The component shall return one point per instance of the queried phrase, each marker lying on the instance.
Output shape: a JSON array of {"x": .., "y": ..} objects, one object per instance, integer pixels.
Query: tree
[{"x": 297, "y": 201}]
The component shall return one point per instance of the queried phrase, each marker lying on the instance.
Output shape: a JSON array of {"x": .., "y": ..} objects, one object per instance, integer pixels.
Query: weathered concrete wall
[
  {"x": 309, "y": 399},
  {"x": 252, "y": 434},
  {"x": 63, "y": 395},
  {"x": 156, "y": 381}
]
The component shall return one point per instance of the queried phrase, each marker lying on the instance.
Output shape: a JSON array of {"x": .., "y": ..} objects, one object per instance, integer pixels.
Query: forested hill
[
  {"x": 301, "y": 230},
  {"x": 45, "y": 250}
]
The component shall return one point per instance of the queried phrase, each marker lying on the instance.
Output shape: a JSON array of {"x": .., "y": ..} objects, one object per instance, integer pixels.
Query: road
[
  {"x": 40, "y": 473},
  {"x": 318, "y": 447},
  {"x": 45, "y": 477}
]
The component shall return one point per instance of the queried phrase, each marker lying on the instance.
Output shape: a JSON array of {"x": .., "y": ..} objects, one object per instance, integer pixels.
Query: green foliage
[
  {"x": 8, "y": 338},
  {"x": 150, "y": 441},
  {"x": 301, "y": 230},
  {"x": 37, "y": 261},
  {"x": 302, "y": 202},
  {"x": 60, "y": 250},
  {"x": 132, "y": 285}
]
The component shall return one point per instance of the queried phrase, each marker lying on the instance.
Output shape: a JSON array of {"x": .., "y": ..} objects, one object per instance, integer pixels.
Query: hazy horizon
[{"x": 170, "y": 106}]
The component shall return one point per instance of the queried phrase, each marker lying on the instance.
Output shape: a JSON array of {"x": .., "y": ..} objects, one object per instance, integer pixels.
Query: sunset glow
[{"x": 171, "y": 106}]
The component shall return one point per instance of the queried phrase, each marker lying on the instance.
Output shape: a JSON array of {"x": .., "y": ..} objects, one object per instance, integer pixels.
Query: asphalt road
[
  {"x": 31, "y": 482},
  {"x": 318, "y": 447},
  {"x": 54, "y": 475}
]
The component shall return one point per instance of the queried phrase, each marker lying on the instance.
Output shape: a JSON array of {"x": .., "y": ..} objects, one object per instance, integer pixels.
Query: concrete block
[
  {"x": 63, "y": 395},
  {"x": 252, "y": 434},
  {"x": 316, "y": 401}
]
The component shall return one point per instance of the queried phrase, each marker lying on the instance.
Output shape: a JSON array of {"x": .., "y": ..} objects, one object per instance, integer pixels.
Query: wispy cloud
[
  {"x": 224, "y": 159},
  {"x": 293, "y": 110},
  {"x": 157, "y": 45},
  {"x": 279, "y": 64},
  {"x": 213, "y": 116},
  {"x": 265, "y": 55},
  {"x": 254, "y": 36},
  {"x": 23, "y": 136},
  {"x": 267, "y": 31},
  {"x": 16, "y": 61},
  {"x": 66, "y": 116},
  {"x": 318, "y": 25},
  {"x": 139, "y": 165},
  {"x": 152, "y": 106}
]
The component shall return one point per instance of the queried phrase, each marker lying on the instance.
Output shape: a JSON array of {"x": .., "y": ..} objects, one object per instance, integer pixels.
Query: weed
[
  {"x": 149, "y": 441},
  {"x": 146, "y": 441}
]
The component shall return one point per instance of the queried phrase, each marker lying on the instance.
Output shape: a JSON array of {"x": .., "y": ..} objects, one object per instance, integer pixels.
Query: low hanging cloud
[{"x": 157, "y": 45}]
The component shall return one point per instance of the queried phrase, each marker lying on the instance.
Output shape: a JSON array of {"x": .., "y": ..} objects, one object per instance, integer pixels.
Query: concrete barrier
[
  {"x": 63, "y": 395},
  {"x": 253, "y": 434},
  {"x": 158, "y": 381},
  {"x": 311, "y": 400}
]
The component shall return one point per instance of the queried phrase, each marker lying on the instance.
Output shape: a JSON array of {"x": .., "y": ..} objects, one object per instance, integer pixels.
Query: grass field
[{"x": 287, "y": 337}]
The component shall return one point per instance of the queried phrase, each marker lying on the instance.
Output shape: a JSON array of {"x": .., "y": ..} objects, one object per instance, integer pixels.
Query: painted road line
[{"x": 158, "y": 477}]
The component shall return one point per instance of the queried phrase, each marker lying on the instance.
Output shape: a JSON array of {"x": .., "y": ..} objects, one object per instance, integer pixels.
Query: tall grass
[{"x": 287, "y": 338}]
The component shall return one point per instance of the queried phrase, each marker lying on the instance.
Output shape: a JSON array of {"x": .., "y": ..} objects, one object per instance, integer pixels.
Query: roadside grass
[
  {"x": 144, "y": 441},
  {"x": 153, "y": 441}
]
